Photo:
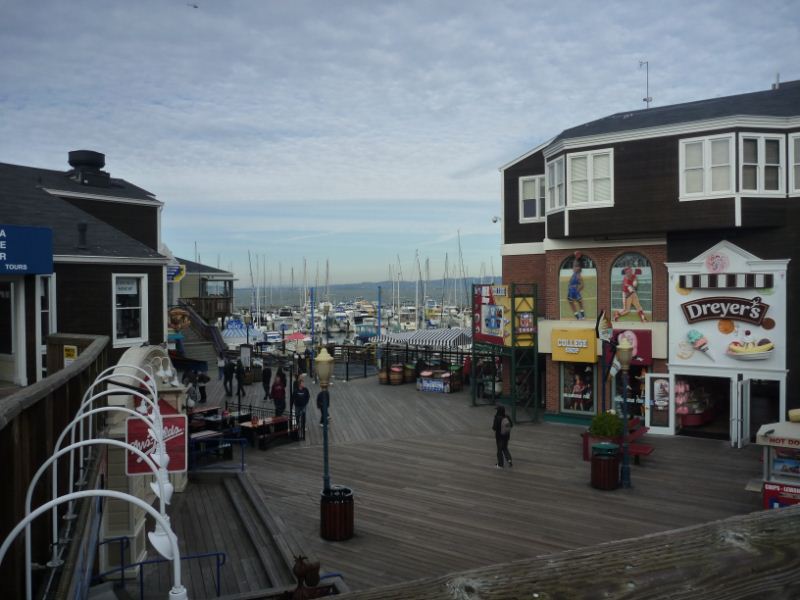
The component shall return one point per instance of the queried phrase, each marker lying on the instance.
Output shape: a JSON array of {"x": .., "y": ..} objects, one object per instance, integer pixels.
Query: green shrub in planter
[{"x": 606, "y": 424}]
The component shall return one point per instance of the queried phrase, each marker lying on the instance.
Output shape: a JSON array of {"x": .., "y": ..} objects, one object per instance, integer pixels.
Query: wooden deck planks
[{"x": 429, "y": 500}]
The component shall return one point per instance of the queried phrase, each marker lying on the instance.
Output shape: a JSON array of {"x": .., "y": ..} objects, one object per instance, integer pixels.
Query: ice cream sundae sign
[{"x": 721, "y": 307}]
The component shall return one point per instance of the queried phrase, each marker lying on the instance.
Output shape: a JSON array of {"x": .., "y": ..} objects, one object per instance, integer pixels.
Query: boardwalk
[{"x": 430, "y": 502}]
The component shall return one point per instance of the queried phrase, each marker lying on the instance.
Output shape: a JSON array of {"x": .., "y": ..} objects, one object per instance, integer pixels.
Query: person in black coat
[
  {"x": 502, "y": 434},
  {"x": 227, "y": 377},
  {"x": 300, "y": 399},
  {"x": 240, "y": 391},
  {"x": 266, "y": 377}
]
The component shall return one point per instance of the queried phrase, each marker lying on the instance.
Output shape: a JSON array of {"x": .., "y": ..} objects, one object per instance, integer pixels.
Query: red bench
[{"x": 635, "y": 448}]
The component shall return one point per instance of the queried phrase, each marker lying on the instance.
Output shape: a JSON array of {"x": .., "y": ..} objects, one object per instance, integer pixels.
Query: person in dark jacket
[
  {"x": 278, "y": 395},
  {"x": 323, "y": 398},
  {"x": 202, "y": 382},
  {"x": 502, "y": 434},
  {"x": 227, "y": 379},
  {"x": 266, "y": 380},
  {"x": 240, "y": 391},
  {"x": 300, "y": 399}
]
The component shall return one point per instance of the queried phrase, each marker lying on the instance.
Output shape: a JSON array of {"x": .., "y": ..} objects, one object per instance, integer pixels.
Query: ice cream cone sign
[{"x": 699, "y": 342}]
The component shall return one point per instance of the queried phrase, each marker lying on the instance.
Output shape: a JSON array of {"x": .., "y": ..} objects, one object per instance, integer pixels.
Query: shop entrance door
[
  {"x": 740, "y": 415},
  {"x": 660, "y": 403}
]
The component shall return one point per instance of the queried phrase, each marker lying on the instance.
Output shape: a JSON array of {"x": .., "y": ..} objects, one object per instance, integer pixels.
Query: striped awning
[
  {"x": 429, "y": 337},
  {"x": 727, "y": 280}
]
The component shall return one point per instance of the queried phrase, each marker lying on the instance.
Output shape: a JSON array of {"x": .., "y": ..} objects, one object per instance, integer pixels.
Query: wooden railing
[
  {"x": 30, "y": 421},
  {"x": 210, "y": 307},
  {"x": 208, "y": 331}
]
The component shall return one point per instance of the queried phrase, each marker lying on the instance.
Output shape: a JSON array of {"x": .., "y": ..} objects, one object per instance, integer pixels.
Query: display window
[
  {"x": 577, "y": 285},
  {"x": 578, "y": 388},
  {"x": 632, "y": 288},
  {"x": 636, "y": 390}
]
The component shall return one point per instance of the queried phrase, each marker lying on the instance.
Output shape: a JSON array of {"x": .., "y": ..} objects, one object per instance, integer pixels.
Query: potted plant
[{"x": 605, "y": 427}]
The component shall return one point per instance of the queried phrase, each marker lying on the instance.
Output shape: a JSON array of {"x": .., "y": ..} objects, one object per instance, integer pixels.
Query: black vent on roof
[{"x": 86, "y": 168}]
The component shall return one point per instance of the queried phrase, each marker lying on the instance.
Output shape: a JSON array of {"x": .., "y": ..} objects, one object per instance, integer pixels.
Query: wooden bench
[{"x": 635, "y": 448}]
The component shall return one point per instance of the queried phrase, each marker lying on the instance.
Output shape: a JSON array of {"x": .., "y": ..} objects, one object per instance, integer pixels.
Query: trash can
[
  {"x": 605, "y": 466},
  {"x": 336, "y": 514}
]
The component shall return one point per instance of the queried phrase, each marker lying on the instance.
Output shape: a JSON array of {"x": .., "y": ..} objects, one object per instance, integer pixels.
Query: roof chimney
[
  {"x": 86, "y": 165},
  {"x": 82, "y": 227},
  {"x": 777, "y": 83}
]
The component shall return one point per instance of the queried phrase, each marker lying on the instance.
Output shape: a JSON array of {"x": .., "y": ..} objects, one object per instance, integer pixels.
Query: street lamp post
[
  {"x": 624, "y": 353},
  {"x": 336, "y": 502}
]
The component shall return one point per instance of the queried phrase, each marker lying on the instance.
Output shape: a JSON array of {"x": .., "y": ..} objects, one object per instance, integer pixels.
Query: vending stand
[{"x": 781, "y": 477}]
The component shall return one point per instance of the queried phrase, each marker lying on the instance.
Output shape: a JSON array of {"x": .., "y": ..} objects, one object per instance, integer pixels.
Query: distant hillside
[{"x": 457, "y": 290}]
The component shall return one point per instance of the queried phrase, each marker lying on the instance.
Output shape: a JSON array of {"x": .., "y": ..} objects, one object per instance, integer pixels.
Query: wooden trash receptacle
[
  {"x": 396, "y": 375},
  {"x": 409, "y": 374},
  {"x": 383, "y": 377}
]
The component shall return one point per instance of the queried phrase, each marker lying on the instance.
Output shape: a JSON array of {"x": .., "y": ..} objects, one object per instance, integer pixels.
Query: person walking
[
  {"x": 227, "y": 380},
  {"x": 502, "y": 434},
  {"x": 278, "y": 395},
  {"x": 202, "y": 381},
  {"x": 240, "y": 391},
  {"x": 220, "y": 366},
  {"x": 300, "y": 399},
  {"x": 266, "y": 380}
]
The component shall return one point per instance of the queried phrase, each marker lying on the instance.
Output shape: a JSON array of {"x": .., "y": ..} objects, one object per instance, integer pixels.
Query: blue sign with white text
[{"x": 25, "y": 250}]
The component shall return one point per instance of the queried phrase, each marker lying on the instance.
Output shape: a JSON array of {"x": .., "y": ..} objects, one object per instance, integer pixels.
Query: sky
[{"x": 361, "y": 133}]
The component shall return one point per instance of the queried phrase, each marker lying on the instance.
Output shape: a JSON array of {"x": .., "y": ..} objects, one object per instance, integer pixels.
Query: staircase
[{"x": 196, "y": 347}]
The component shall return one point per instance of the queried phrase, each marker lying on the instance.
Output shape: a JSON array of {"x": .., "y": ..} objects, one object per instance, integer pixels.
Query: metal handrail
[
  {"x": 209, "y": 330},
  {"x": 220, "y": 560},
  {"x": 193, "y": 453}
]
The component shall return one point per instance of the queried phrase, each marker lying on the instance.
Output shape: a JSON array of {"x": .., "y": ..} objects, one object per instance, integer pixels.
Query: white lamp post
[{"x": 178, "y": 591}]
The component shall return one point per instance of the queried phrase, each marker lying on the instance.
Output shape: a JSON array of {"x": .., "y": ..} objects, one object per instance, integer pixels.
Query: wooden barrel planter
[
  {"x": 409, "y": 375},
  {"x": 383, "y": 377},
  {"x": 396, "y": 376}
]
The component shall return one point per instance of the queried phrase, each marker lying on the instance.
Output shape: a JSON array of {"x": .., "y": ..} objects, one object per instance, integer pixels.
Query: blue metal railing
[{"x": 124, "y": 543}]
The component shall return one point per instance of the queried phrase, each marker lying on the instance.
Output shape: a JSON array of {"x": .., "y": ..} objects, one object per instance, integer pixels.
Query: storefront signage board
[
  {"x": 642, "y": 342},
  {"x": 492, "y": 308},
  {"x": 175, "y": 435},
  {"x": 730, "y": 327},
  {"x": 25, "y": 250},
  {"x": 175, "y": 273},
  {"x": 574, "y": 345},
  {"x": 778, "y": 495}
]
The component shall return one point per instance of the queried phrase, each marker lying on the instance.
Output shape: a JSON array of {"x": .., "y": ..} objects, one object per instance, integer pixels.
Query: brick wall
[{"x": 543, "y": 269}]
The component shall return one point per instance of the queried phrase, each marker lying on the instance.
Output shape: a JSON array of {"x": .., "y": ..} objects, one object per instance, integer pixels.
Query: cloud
[{"x": 334, "y": 123}]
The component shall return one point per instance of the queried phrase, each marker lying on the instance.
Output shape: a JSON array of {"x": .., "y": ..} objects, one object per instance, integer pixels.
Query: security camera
[{"x": 495, "y": 219}]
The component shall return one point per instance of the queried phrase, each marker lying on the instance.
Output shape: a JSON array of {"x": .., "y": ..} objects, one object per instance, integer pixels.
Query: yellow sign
[
  {"x": 574, "y": 345},
  {"x": 70, "y": 354}
]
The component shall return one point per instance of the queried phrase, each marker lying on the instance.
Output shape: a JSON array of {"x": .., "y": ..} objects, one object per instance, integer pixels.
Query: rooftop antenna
[
  {"x": 777, "y": 83},
  {"x": 646, "y": 64}
]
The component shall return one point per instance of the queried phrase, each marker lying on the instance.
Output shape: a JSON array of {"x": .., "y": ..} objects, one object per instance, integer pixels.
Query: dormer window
[
  {"x": 531, "y": 198},
  {"x": 762, "y": 164}
]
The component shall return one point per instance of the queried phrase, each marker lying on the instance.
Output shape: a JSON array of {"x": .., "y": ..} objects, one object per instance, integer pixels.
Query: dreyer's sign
[
  {"x": 723, "y": 307},
  {"x": 138, "y": 436}
]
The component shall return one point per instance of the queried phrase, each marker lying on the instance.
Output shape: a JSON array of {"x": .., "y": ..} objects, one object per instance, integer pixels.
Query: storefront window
[
  {"x": 636, "y": 390},
  {"x": 577, "y": 388},
  {"x": 632, "y": 288},
  {"x": 577, "y": 284}
]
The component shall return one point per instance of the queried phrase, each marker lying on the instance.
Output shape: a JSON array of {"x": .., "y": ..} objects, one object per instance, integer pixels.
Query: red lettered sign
[
  {"x": 138, "y": 436},
  {"x": 777, "y": 495}
]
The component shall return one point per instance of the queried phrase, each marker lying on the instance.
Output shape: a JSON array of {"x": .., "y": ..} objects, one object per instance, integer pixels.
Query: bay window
[
  {"x": 590, "y": 176},
  {"x": 555, "y": 184},
  {"x": 761, "y": 164},
  {"x": 706, "y": 167},
  {"x": 794, "y": 164}
]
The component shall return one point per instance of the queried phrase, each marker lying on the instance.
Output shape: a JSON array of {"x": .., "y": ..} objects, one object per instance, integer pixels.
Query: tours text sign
[{"x": 25, "y": 250}]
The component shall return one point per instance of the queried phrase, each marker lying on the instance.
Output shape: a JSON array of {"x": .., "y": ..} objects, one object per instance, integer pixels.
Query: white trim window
[
  {"x": 591, "y": 179},
  {"x": 531, "y": 198},
  {"x": 762, "y": 163},
  {"x": 794, "y": 164},
  {"x": 129, "y": 314},
  {"x": 556, "y": 197},
  {"x": 706, "y": 167}
]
